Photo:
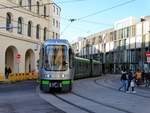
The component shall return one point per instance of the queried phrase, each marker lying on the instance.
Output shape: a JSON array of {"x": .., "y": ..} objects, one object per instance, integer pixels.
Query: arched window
[
  {"x": 20, "y": 2},
  {"x": 9, "y": 22},
  {"x": 29, "y": 28},
  {"x": 45, "y": 33},
  {"x": 38, "y": 31},
  {"x": 29, "y": 3},
  {"x": 20, "y": 24},
  {"x": 45, "y": 11},
  {"x": 38, "y": 7}
]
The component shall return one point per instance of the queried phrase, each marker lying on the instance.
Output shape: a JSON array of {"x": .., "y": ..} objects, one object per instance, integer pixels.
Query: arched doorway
[
  {"x": 29, "y": 61},
  {"x": 10, "y": 59}
]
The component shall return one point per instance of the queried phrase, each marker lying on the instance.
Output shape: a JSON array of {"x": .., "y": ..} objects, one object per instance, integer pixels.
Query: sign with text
[{"x": 148, "y": 56}]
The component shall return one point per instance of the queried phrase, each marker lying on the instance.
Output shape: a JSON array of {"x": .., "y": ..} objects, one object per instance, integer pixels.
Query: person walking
[
  {"x": 9, "y": 71},
  {"x": 147, "y": 79},
  {"x": 6, "y": 72},
  {"x": 123, "y": 81},
  {"x": 130, "y": 78},
  {"x": 138, "y": 77},
  {"x": 133, "y": 85}
]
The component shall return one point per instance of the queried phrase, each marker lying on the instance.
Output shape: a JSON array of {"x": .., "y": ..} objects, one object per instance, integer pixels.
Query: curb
[{"x": 5, "y": 82}]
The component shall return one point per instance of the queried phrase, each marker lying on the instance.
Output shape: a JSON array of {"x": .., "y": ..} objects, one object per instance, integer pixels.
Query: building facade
[
  {"x": 24, "y": 25},
  {"x": 121, "y": 47}
]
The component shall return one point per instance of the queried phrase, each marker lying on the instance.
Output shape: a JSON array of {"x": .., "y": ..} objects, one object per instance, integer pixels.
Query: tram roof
[{"x": 56, "y": 41}]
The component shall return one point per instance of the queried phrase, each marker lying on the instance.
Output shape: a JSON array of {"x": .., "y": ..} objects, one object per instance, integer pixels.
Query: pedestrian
[
  {"x": 133, "y": 86},
  {"x": 130, "y": 78},
  {"x": 9, "y": 71},
  {"x": 6, "y": 72},
  {"x": 138, "y": 77},
  {"x": 123, "y": 81},
  {"x": 147, "y": 79}
]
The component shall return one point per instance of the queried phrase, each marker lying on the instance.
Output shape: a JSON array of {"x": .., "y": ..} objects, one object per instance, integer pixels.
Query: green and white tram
[{"x": 56, "y": 68}]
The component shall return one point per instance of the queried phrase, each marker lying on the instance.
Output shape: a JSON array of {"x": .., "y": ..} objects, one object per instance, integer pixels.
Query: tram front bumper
[{"x": 56, "y": 83}]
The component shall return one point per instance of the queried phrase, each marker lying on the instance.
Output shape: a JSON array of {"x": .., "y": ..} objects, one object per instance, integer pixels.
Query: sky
[{"x": 104, "y": 19}]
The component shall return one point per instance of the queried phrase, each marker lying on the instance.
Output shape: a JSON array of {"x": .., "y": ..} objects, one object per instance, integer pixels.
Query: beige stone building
[{"x": 24, "y": 24}]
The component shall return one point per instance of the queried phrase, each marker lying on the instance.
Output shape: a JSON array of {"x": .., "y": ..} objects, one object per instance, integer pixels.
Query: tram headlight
[{"x": 63, "y": 75}]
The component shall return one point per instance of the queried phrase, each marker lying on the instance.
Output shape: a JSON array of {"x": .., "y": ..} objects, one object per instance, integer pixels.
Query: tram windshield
[{"x": 56, "y": 58}]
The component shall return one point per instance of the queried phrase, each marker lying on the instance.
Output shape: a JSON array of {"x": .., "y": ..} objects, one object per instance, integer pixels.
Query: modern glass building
[{"x": 121, "y": 47}]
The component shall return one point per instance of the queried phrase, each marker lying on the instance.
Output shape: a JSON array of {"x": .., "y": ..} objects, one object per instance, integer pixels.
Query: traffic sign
[
  {"x": 18, "y": 56},
  {"x": 148, "y": 56}
]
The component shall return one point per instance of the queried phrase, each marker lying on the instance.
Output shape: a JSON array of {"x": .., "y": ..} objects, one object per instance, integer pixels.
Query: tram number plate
[{"x": 55, "y": 84}]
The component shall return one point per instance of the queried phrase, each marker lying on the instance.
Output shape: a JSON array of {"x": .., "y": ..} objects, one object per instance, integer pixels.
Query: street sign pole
[
  {"x": 18, "y": 67},
  {"x": 18, "y": 56}
]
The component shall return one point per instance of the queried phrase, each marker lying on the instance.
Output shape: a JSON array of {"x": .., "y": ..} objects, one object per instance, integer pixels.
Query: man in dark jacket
[
  {"x": 6, "y": 72},
  {"x": 123, "y": 81},
  {"x": 130, "y": 77}
]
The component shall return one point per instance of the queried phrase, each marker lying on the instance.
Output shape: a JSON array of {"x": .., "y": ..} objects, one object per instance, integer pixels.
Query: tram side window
[{"x": 71, "y": 58}]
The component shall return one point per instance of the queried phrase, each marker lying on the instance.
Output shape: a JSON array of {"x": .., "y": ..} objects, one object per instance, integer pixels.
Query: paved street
[
  {"x": 94, "y": 95},
  {"x": 23, "y": 98},
  {"x": 100, "y": 95}
]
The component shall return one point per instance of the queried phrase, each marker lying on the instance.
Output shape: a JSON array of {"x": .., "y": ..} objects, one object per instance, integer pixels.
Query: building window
[
  {"x": 133, "y": 32},
  {"x": 56, "y": 23},
  {"x": 56, "y": 35},
  {"x": 29, "y": 28},
  {"x": 20, "y": 2},
  {"x": 20, "y": 24},
  {"x": 128, "y": 31},
  {"x": 45, "y": 11},
  {"x": 53, "y": 22},
  {"x": 45, "y": 33},
  {"x": 38, "y": 7},
  {"x": 9, "y": 22},
  {"x": 57, "y": 11},
  {"x": 29, "y": 3},
  {"x": 54, "y": 8},
  {"x": 125, "y": 43},
  {"x": 38, "y": 31},
  {"x": 119, "y": 44},
  {"x": 53, "y": 35}
]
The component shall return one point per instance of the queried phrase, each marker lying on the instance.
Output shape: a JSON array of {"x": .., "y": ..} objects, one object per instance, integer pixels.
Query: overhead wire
[
  {"x": 101, "y": 11},
  {"x": 106, "y": 9},
  {"x": 94, "y": 22},
  {"x": 78, "y": 19},
  {"x": 23, "y": 6},
  {"x": 67, "y": 26},
  {"x": 98, "y": 12}
]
